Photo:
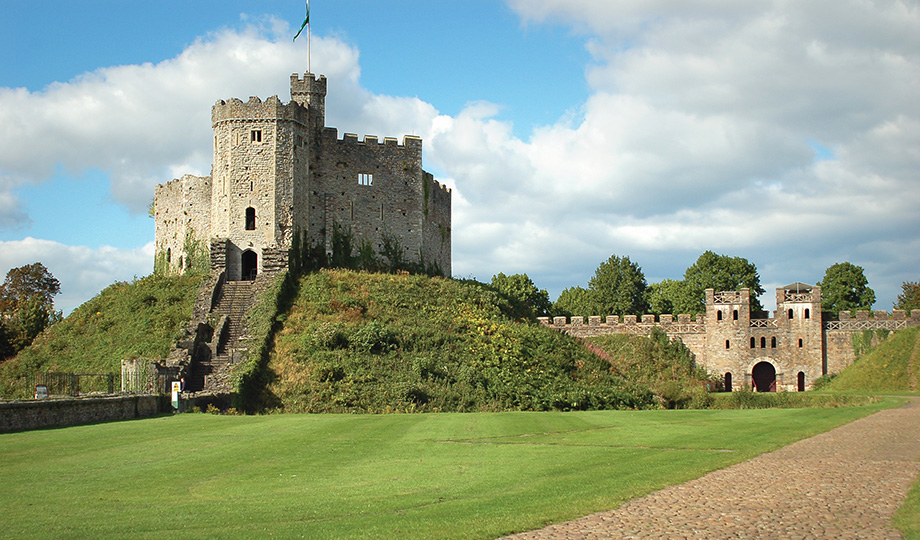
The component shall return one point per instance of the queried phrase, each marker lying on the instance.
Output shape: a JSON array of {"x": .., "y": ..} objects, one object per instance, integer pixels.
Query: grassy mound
[
  {"x": 665, "y": 366},
  {"x": 892, "y": 366},
  {"x": 138, "y": 319},
  {"x": 362, "y": 342}
]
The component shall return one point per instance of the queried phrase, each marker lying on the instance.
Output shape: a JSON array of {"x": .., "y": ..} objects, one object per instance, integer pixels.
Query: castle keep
[
  {"x": 787, "y": 351},
  {"x": 279, "y": 173}
]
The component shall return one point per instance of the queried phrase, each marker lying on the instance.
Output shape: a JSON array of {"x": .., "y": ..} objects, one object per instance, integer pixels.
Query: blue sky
[{"x": 569, "y": 131}]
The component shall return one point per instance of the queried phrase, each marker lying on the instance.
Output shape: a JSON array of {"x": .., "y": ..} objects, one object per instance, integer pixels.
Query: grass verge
[
  {"x": 369, "y": 476},
  {"x": 907, "y": 518}
]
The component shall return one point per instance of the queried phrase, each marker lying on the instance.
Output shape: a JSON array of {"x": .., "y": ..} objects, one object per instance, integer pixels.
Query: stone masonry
[
  {"x": 787, "y": 351},
  {"x": 277, "y": 169}
]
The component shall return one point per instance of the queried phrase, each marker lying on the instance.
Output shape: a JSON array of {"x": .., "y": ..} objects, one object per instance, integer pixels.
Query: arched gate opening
[{"x": 764, "y": 375}]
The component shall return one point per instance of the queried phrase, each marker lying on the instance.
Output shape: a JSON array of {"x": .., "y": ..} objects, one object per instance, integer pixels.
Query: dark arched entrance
[
  {"x": 250, "y": 265},
  {"x": 764, "y": 375},
  {"x": 728, "y": 381},
  {"x": 801, "y": 381}
]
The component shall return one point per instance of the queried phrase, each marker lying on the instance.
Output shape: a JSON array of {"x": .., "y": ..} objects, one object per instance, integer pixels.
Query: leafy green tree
[
  {"x": 671, "y": 296},
  {"x": 909, "y": 299},
  {"x": 845, "y": 288},
  {"x": 619, "y": 287},
  {"x": 27, "y": 282},
  {"x": 722, "y": 273},
  {"x": 519, "y": 287},
  {"x": 576, "y": 301},
  {"x": 26, "y": 305}
]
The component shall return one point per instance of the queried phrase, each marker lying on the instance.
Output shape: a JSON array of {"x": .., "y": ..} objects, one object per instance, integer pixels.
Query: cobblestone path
[{"x": 845, "y": 483}]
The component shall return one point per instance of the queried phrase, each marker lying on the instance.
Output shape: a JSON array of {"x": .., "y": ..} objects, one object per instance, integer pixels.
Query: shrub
[{"x": 416, "y": 343}]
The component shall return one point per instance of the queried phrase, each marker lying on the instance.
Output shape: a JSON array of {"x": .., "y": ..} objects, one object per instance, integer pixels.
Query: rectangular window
[
  {"x": 256, "y": 135},
  {"x": 365, "y": 179}
]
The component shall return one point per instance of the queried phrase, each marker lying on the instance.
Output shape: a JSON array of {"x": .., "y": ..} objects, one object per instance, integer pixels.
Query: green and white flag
[{"x": 306, "y": 21}]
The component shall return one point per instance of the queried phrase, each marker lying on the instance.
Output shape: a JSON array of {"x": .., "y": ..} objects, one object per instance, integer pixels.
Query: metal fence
[
  {"x": 76, "y": 384},
  {"x": 140, "y": 377}
]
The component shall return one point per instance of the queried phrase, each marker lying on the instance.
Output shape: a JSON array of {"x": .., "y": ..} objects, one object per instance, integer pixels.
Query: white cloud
[
  {"x": 82, "y": 271},
  {"x": 699, "y": 133},
  {"x": 146, "y": 123}
]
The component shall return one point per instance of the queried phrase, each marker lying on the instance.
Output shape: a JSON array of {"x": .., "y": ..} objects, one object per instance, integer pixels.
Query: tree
[
  {"x": 576, "y": 301},
  {"x": 619, "y": 287},
  {"x": 909, "y": 299},
  {"x": 26, "y": 305},
  {"x": 845, "y": 288},
  {"x": 671, "y": 296},
  {"x": 519, "y": 287},
  {"x": 722, "y": 273},
  {"x": 26, "y": 282}
]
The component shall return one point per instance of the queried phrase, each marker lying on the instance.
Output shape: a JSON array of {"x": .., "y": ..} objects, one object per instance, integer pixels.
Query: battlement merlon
[
  {"x": 411, "y": 143},
  {"x": 310, "y": 92},
  {"x": 272, "y": 109},
  {"x": 440, "y": 190}
]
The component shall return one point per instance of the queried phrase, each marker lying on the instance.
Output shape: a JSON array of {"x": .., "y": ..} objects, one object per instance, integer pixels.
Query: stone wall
[
  {"x": 376, "y": 190},
  {"x": 436, "y": 226},
  {"x": 798, "y": 340},
  {"x": 25, "y": 415},
  {"x": 181, "y": 208}
]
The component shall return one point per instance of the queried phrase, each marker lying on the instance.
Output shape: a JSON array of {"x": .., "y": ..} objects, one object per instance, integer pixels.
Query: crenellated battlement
[
  {"x": 410, "y": 142},
  {"x": 441, "y": 189},
  {"x": 865, "y": 315},
  {"x": 631, "y": 324},
  {"x": 307, "y": 85},
  {"x": 186, "y": 181},
  {"x": 272, "y": 109}
]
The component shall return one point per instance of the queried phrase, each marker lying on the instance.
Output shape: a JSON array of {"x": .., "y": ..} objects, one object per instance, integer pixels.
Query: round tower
[{"x": 256, "y": 158}]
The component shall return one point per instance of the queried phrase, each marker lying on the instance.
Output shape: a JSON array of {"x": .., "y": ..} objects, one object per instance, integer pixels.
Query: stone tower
[{"x": 277, "y": 169}]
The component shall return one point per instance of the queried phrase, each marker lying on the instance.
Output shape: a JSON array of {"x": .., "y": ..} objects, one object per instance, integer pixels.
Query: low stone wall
[{"x": 25, "y": 415}]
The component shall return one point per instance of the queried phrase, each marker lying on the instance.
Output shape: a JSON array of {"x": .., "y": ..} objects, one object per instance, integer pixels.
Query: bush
[{"x": 822, "y": 381}]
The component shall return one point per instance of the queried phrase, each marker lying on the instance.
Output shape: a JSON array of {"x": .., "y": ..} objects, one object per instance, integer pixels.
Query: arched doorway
[
  {"x": 250, "y": 265},
  {"x": 764, "y": 375},
  {"x": 728, "y": 381},
  {"x": 801, "y": 381}
]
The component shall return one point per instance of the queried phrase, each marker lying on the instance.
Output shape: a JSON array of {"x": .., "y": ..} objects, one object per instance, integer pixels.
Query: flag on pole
[{"x": 306, "y": 21}]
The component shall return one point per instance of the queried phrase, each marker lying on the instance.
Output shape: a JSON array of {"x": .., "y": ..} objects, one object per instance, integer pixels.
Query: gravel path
[{"x": 846, "y": 483}]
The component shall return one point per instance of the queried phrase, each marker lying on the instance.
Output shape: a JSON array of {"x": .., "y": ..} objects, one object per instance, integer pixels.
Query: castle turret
[
  {"x": 310, "y": 92},
  {"x": 257, "y": 156}
]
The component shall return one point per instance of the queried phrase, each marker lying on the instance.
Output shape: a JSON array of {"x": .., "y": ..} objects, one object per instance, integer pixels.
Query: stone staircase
[{"x": 229, "y": 341}]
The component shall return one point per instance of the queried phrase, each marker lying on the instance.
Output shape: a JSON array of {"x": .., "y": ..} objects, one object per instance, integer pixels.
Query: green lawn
[{"x": 368, "y": 476}]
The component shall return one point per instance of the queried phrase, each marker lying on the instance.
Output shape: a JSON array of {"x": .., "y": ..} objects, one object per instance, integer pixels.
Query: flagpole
[{"x": 306, "y": 22}]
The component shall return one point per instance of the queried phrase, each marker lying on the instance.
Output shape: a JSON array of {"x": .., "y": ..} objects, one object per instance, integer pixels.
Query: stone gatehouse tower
[{"x": 277, "y": 169}]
